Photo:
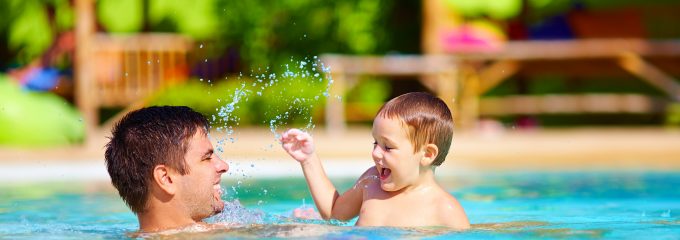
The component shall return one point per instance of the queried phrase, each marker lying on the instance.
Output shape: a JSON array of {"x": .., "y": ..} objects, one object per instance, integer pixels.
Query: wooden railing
[
  {"x": 122, "y": 70},
  {"x": 130, "y": 68},
  {"x": 463, "y": 78}
]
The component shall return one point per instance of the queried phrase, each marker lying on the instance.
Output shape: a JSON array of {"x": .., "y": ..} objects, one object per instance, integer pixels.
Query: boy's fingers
[
  {"x": 295, "y": 131},
  {"x": 300, "y": 137}
]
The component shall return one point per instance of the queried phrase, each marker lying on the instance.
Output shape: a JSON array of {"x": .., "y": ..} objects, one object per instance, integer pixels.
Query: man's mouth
[
  {"x": 384, "y": 173},
  {"x": 217, "y": 195}
]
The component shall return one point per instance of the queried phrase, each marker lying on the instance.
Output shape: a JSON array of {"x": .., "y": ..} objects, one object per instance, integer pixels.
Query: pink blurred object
[
  {"x": 306, "y": 213},
  {"x": 470, "y": 39}
]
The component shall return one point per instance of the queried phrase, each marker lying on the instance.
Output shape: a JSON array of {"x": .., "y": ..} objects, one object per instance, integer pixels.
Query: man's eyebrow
[{"x": 208, "y": 153}]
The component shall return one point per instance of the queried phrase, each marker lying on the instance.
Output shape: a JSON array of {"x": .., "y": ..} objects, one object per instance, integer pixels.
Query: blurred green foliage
[
  {"x": 36, "y": 119},
  {"x": 27, "y": 28},
  {"x": 299, "y": 97},
  {"x": 121, "y": 16},
  {"x": 505, "y": 9},
  {"x": 497, "y": 9},
  {"x": 253, "y": 109},
  {"x": 265, "y": 32},
  {"x": 673, "y": 114}
]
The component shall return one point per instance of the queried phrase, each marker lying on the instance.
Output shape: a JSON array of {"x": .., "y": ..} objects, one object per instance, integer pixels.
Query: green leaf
[
  {"x": 30, "y": 33},
  {"x": 120, "y": 16}
]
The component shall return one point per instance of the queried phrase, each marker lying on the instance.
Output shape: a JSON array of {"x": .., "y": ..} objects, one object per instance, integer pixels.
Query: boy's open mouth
[{"x": 384, "y": 173}]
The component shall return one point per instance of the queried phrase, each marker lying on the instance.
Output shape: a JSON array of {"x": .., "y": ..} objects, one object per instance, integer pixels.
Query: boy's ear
[
  {"x": 431, "y": 153},
  {"x": 164, "y": 179}
]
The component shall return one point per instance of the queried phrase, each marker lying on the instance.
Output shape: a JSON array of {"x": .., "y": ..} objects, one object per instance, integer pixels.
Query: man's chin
[
  {"x": 218, "y": 207},
  {"x": 218, "y": 203}
]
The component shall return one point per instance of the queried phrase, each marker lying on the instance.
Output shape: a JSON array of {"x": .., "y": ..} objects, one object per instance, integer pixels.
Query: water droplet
[{"x": 666, "y": 214}]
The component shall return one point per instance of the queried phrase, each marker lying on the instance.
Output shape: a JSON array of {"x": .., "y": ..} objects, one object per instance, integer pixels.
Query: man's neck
[{"x": 161, "y": 218}]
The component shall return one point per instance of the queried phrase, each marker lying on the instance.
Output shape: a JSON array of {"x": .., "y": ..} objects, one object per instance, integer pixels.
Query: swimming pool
[{"x": 502, "y": 205}]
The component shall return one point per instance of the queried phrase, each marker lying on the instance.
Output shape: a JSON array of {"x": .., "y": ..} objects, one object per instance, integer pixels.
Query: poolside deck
[{"x": 256, "y": 153}]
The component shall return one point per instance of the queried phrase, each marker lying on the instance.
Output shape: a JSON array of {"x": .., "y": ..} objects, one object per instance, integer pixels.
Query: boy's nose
[{"x": 377, "y": 154}]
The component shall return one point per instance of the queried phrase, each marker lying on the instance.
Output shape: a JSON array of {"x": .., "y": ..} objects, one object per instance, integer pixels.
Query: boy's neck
[{"x": 425, "y": 180}]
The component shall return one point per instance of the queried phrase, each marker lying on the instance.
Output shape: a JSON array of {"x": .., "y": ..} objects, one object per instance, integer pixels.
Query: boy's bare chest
[{"x": 397, "y": 211}]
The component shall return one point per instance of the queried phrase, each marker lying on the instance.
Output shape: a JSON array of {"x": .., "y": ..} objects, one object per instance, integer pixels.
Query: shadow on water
[
  {"x": 536, "y": 229},
  {"x": 299, "y": 230}
]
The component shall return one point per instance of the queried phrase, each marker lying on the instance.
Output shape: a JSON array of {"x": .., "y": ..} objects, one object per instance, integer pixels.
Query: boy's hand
[{"x": 298, "y": 144}]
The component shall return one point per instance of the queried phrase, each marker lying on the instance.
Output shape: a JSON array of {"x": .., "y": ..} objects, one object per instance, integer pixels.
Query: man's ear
[
  {"x": 431, "y": 153},
  {"x": 163, "y": 177}
]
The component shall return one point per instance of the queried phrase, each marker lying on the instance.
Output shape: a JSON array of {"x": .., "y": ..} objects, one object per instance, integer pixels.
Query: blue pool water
[{"x": 511, "y": 205}]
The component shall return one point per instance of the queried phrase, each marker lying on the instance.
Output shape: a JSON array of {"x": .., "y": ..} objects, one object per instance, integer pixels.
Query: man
[{"x": 162, "y": 164}]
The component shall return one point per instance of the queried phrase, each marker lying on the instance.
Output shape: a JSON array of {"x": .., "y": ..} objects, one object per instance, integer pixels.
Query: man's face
[{"x": 200, "y": 189}]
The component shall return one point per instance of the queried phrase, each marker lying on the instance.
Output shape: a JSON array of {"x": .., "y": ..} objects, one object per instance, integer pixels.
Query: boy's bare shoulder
[
  {"x": 369, "y": 179},
  {"x": 451, "y": 212},
  {"x": 371, "y": 171}
]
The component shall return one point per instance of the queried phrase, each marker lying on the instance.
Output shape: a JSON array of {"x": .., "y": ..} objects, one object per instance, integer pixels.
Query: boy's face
[
  {"x": 397, "y": 164},
  {"x": 200, "y": 188}
]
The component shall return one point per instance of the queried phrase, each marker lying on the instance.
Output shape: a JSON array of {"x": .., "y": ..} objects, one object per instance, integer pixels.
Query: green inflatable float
[{"x": 36, "y": 119}]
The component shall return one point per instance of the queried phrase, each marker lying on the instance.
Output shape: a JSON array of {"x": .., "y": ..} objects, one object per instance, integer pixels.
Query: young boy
[{"x": 412, "y": 136}]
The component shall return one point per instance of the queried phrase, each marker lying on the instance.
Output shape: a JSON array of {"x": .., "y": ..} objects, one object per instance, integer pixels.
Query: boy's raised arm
[{"x": 300, "y": 146}]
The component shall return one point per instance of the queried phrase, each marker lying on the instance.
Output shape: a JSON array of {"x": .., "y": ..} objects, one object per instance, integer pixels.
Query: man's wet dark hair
[{"x": 144, "y": 139}]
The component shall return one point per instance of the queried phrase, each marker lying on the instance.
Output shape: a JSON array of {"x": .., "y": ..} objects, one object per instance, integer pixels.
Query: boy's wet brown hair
[
  {"x": 428, "y": 119},
  {"x": 144, "y": 139}
]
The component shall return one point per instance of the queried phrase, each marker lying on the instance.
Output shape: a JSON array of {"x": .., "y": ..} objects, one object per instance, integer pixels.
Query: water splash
[
  {"x": 235, "y": 213},
  {"x": 292, "y": 90},
  {"x": 365, "y": 181},
  {"x": 295, "y": 106}
]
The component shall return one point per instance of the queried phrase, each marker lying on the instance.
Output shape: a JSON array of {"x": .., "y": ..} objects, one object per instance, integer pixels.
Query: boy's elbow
[
  {"x": 340, "y": 218},
  {"x": 326, "y": 217}
]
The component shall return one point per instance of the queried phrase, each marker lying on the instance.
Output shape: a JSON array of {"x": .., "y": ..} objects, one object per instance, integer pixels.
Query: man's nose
[{"x": 221, "y": 166}]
